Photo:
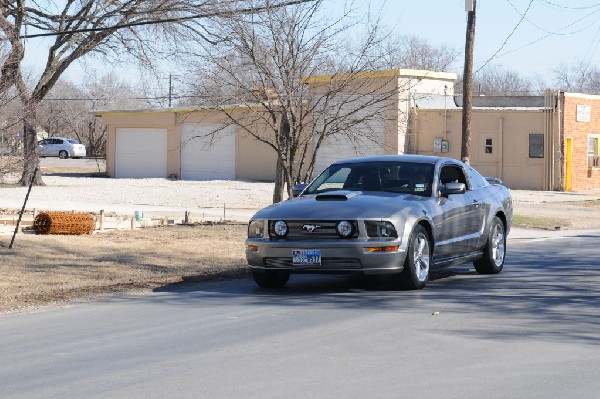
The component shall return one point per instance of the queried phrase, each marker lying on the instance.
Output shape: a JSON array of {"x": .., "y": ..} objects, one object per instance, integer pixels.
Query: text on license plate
[{"x": 306, "y": 257}]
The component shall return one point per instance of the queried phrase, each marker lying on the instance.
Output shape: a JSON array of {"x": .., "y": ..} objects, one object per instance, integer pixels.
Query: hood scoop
[{"x": 336, "y": 196}]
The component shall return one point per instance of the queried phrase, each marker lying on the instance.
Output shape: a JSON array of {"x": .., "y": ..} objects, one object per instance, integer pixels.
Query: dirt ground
[
  {"x": 46, "y": 270},
  {"x": 50, "y": 270}
]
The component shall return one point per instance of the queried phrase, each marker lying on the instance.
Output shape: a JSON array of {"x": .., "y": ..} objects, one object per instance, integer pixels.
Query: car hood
[{"x": 340, "y": 205}]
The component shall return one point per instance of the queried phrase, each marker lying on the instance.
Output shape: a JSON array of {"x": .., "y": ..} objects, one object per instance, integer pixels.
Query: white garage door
[
  {"x": 207, "y": 151},
  {"x": 141, "y": 153},
  {"x": 365, "y": 138}
]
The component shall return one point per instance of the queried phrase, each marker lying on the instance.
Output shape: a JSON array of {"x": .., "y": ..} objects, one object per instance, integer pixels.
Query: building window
[
  {"x": 536, "y": 145},
  {"x": 594, "y": 151},
  {"x": 489, "y": 146}
]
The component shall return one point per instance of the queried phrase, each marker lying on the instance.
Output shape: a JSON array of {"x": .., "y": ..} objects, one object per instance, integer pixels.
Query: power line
[
  {"x": 251, "y": 10},
  {"x": 546, "y": 2},
  {"x": 556, "y": 33},
  {"x": 507, "y": 38}
]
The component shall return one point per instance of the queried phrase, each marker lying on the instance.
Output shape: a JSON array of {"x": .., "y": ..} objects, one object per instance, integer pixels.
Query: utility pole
[{"x": 465, "y": 151}]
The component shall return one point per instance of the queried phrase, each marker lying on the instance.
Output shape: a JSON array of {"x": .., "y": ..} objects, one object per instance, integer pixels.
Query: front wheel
[
  {"x": 270, "y": 279},
  {"x": 63, "y": 154},
  {"x": 416, "y": 269},
  {"x": 494, "y": 252}
]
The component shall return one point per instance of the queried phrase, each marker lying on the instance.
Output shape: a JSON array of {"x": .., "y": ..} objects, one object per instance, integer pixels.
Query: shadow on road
[{"x": 553, "y": 284}]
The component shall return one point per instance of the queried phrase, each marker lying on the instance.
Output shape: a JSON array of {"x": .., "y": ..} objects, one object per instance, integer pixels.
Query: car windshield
[
  {"x": 389, "y": 176},
  {"x": 73, "y": 141}
]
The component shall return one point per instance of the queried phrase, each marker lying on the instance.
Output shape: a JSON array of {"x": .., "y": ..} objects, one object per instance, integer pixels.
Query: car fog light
[
  {"x": 280, "y": 228},
  {"x": 344, "y": 229}
]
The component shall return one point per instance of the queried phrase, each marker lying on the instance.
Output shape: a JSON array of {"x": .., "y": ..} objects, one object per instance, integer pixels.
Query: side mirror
[
  {"x": 453, "y": 188},
  {"x": 298, "y": 188}
]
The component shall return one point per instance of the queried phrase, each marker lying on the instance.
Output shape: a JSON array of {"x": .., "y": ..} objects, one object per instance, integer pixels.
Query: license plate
[{"x": 306, "y": 257}]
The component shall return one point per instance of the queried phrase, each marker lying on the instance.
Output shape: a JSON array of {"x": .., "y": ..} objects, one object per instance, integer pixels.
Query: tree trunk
[
  {"x": 31, "y": 159},
  {"x": 282, "y": 174},
  {"x": 278, "y": 191}
]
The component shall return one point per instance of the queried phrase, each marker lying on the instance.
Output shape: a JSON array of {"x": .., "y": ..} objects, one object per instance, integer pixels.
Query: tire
[
  {"x": 62, "y": 154},
  {"x": 415, "y": 274},
  {"x": 270, "y": 279},
  {"x": 494, "y": 252}
]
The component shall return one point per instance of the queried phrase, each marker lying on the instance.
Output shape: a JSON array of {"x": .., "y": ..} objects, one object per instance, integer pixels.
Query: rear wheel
[
  {"x": 270, "y": 279},
  {"x": 63, "y": 154},
  {"x": 416, "y": 269},
  {"x": 494, "y": 252}
]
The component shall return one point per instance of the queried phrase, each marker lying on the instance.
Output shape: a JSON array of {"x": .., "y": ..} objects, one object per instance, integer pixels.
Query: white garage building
[{"x": 199, "y": 144}]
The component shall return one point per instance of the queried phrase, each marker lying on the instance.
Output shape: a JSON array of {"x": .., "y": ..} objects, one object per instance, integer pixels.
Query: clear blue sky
[{"x": 550, "y": 33}]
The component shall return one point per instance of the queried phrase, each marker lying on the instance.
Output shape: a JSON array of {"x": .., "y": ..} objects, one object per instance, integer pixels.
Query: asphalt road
[{"x": 531, "y": 332}]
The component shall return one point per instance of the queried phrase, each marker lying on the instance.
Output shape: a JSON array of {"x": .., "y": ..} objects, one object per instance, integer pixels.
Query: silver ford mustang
[{"x": 401, "y": 215}]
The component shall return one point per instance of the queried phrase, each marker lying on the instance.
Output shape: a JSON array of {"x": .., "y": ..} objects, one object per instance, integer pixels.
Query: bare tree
[
  {"x": 67, "y": 110},
  {"x": 401, "y": 51},
  {"x": 499, "y": 81},
  {"x": 579, "y": 77},
  {"x": 81, "y": 28},
  {"x": 270, "y": 64}
]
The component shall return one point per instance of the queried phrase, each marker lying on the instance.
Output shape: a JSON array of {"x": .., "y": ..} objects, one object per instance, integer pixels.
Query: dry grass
[
  {"x": 47, "y": 269},
  {"x": 538, "y": 222}
]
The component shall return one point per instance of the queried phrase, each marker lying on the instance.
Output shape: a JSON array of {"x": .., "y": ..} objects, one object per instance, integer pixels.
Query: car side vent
[{"x": 337, "y": 196}]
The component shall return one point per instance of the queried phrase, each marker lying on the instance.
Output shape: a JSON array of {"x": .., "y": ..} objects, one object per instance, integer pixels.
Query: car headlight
[
  {"x": 380, "y": 229},
  {"x": 256, "y": 229},
  {"x": 345, "y": 229},
  {"x": 280, "y": 228}
]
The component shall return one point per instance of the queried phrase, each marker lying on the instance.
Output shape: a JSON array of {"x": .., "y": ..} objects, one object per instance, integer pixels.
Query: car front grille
[
  {"x": 312, "y": 230},
  {"x": 326, "y": 263}
]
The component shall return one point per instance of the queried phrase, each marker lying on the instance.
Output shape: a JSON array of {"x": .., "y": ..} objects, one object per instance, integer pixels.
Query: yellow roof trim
[
  {"x": 175, "y": 110},
  {"x": 388, "y": 73}
]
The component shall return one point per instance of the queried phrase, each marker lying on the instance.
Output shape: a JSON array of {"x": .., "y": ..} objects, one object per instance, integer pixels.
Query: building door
[
  {"x": 568, "y": 164},
  {"x": 141, "y": 153},
  {"x": 207, "y": 151}
]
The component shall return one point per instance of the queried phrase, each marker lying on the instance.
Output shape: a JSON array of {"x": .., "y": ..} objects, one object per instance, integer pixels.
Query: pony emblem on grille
[{"x": 310, "y": 227}]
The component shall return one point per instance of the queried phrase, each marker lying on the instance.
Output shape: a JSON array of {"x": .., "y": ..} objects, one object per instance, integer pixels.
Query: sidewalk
[
  {"x": 532, "y": 234},
  {"x": 528, "y": 196}
]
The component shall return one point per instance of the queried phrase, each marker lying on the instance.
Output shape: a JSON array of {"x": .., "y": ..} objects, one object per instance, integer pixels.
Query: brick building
[{"x": 580, "y": 141}]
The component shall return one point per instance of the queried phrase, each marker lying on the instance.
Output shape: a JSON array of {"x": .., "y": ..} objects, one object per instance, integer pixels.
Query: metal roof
[{"x": 488, "y": 103}]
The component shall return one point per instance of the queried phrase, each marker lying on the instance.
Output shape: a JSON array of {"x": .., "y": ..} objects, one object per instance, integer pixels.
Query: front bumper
[{"x": 336, "y": 257}]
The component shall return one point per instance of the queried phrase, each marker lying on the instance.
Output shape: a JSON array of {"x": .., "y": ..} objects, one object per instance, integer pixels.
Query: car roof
[
  {"x": 58, "y": 137},
  {"x": 399, "y": 158}
]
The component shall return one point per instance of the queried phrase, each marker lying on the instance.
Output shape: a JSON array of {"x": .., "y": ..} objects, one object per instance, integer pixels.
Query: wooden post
[{"x": 101, "y": 227}]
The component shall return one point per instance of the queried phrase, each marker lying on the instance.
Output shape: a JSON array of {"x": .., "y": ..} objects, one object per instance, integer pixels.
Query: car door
[
  {"x": 43, "y": 147},
  {"x": 457, "y": 221},
  {"x": 55, "y": 146}
]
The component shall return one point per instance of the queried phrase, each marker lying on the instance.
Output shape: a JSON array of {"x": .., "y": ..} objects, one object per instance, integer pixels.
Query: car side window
[
  {"x": 453, "y": 174},
  {"x": 57, "y": 141},
  {"x": 476, "y": 179}
]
